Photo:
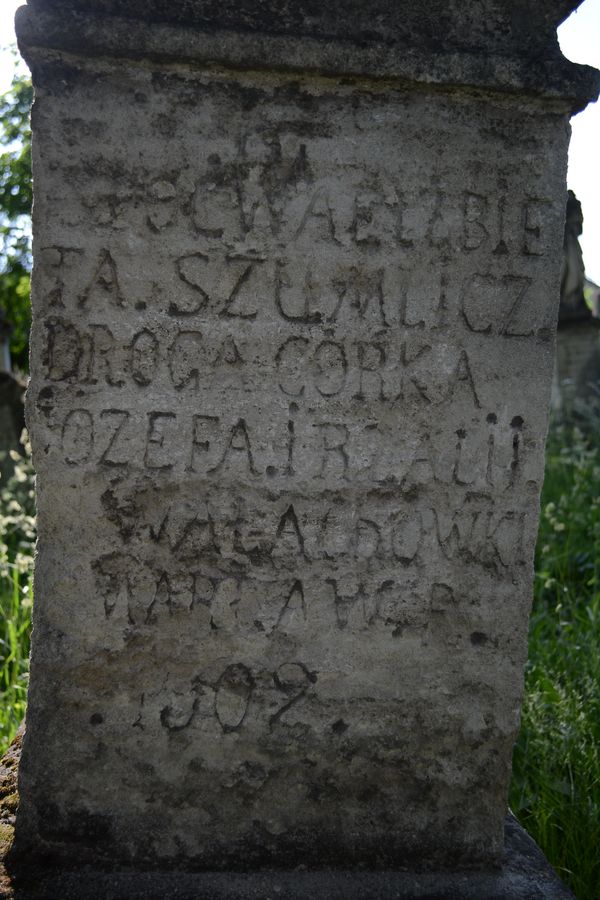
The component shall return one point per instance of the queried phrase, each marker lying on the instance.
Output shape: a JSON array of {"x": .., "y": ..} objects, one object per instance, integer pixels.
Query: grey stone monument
[
  {"x": 292, "y": 355},
  {"x": 572, "y": 284},
  {"x": 576, "y": 383}
]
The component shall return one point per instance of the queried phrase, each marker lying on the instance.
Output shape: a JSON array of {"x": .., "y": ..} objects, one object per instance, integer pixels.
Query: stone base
[{"x": 525, "y": 874}]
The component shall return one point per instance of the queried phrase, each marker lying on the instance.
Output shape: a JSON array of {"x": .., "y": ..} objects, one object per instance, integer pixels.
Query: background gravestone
[
  {"x": 12, "y": 418},
  {"x": 576, "y": 383},
  {"x": 291, "y": 363}
]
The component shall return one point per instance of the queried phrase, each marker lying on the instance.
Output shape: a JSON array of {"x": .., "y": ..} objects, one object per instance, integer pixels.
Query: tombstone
[
  {"x": 12, "y": 414},
  {"x": 291, "y": 360},
  {"x": 12, "y": 423},
  {"x": 572, "y": 284},
  {"x": 576, "y": 382}
]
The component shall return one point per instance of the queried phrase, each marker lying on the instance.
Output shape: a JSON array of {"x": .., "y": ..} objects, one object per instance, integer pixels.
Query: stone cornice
[{"x": 512, "y": 60}]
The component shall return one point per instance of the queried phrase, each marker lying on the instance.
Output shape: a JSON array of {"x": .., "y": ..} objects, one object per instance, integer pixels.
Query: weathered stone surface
[
  {"x": 509, "y": 45},
  {"x": 523, "y": 875},
  {"x": 292, "y": 354}
]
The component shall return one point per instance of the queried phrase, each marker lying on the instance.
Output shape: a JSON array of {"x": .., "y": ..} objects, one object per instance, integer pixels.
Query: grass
[
  {"x": 15, "y": 626},
  {"x": 555, "y": 791},
  {"x": 17, "y": 536}
]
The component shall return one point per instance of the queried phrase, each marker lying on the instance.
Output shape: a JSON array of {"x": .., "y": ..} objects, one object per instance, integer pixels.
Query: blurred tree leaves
[{"x": 15, "y": 212}]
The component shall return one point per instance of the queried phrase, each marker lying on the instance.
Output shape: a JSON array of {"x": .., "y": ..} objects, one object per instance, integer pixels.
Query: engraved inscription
[{"x": 289, "y": 344}]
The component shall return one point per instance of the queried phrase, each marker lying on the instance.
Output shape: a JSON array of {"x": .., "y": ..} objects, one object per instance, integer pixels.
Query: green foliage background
[
  {"x": 15, "y": 208},
  {"x": 17, "y": 543}
]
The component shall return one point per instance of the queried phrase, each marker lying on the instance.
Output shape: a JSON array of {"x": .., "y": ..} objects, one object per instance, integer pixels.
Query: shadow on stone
[{"x": 525, "y": 873}]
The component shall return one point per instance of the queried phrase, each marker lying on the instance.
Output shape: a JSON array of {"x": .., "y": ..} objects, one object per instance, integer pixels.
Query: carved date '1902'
[{"x": 233, "y": 693}]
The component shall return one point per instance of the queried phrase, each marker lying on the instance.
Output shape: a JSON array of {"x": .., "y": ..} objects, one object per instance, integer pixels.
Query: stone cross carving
[{"x": 291, "y": 361}]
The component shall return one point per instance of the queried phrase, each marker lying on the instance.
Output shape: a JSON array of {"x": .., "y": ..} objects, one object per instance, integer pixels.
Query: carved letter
[
  {"x": 191, "y": 270},
  {"x": 289, "y": 358},
  {"x": 123, "y": 416},
  {"x": 155, "y": 439},
  {"x": 239, "y": 441},
  {"x": 332, "y": 366},
  {"x": 143, "y": 357},
  {"x": 335, "y": 437},
  {"x": 78, "y": 436},
  {"x": 185, "y": 359},
  {"x": 64, "y": 349},
  {"x": 105, "y": 281}
]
